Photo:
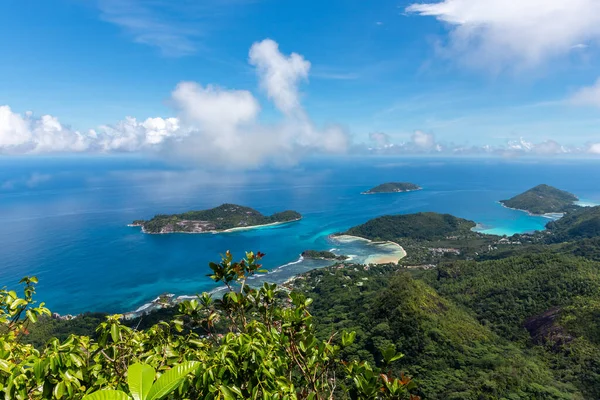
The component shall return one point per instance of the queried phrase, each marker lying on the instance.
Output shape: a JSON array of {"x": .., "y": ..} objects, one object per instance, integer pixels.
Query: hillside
[
  {"x": 550, "y": 299},
  {"x": 448, "y": 352},
  {"x": 393, "y": 187},
  {"x": 580, "y": 223},
  {"x": 218, "y": 219},
  {"x": 542, "y": 199},
  {"x": 421, "y": 226}
]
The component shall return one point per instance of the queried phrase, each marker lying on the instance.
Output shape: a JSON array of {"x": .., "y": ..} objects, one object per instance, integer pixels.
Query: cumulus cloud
[
  {"x": 507, "y": 34},
  {"x": 423, "y": 140},
  {"x": 213, "y": 125},
  {"x": 27, "y": 134},
  {"x": 587, "y": 96},
  {"x": 279, "y": 74}
]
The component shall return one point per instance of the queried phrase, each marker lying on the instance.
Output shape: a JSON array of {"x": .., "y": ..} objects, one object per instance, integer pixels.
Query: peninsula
[
  {"x": 323, "y": 255},
  {"x": 224, "y": 218},
  {"x": 542, "y": 199},
  {"x": 393, "y": 187}
]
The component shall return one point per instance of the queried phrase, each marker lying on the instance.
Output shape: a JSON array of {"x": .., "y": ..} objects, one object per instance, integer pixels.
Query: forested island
[
  {"x": 393, "y": 187},
  {"x": 542, "y": 199},
  {"x": 323, "y": 255},
  {"x": 226, "y": 217}
]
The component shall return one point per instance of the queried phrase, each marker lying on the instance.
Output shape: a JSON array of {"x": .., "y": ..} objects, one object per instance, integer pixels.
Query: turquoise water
[{"x": 65, "y": 220}]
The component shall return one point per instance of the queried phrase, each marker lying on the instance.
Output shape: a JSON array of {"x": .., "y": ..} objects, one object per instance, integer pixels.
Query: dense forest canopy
[
  {"x": 580, "y": 223},
  {"x": 423, "y": 226}
]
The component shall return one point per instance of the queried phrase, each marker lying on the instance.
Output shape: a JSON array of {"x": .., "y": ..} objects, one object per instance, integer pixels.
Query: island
[
  {"x": 542, "y": 199},
  {"x": 323, "y": 255},
  {"x": 393, "y": 187},
  {"x": 224, "y": 218}
]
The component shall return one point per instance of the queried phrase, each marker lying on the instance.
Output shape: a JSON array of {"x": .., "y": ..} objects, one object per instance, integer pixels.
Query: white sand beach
[{"x": 392, "y": 254}]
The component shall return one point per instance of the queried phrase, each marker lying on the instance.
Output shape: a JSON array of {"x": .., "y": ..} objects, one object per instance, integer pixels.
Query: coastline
[
  {"x": 237, "y": 229},
  {"x": 397, "y": 254},
  {"x": 552, "y": 216}
]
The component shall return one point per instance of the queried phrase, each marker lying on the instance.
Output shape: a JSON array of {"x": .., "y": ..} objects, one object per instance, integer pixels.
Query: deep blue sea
[{"x": 65, "y": 219}]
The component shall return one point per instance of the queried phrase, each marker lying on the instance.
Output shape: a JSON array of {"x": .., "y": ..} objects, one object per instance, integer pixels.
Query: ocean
[{"x": 65, "y": 219}]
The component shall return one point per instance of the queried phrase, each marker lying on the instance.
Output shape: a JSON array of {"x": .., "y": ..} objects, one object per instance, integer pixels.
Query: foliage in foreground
[{"x": 270, "y": 351}]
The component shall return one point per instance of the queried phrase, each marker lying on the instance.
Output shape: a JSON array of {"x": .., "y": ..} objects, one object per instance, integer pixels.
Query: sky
[{"x": 206, "y": 81}]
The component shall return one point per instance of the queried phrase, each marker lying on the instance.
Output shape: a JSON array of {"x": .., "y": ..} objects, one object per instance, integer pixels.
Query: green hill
[
  {"x": 542, "y": 199},
  {"x": 447, "y": 350},
  {"x": 223, "y": 217},
  {"x": 583, "y": 222},
  {"x": 549, "y": 300},
  {"x": 421, "y": 226}
]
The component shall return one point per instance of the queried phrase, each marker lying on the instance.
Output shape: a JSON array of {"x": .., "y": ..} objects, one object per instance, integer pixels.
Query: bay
[{"x": 65, "y": 219}]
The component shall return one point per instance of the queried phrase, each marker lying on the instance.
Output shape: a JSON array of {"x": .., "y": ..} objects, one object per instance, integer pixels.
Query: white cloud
[
  {"x": 505, "y": 34},
  {"x": 214, "y": 126},
  {"x": 25, "y": 133},
  {"x": 420, "y": 143},
  {"x": 423, "y": 140},
  {"x": 214, "y": 108},
  {"x": 279, "y": 75},
  {"x": 425, "y": 143},
  {"x": 594, "y": 148},
  {"x": 588, "y": 96}
]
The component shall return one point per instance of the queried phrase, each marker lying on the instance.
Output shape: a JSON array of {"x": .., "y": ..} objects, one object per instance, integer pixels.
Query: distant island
[
  {"x": 393, "y": 187},
  {"x": 323, "y": 255},
  {"x": 542, "y": 199},
  {"x": 224, "y": 218}
]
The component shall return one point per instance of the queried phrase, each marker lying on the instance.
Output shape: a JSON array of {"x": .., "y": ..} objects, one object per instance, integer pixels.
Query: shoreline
[
  {"x": 172, "y": 300},
  {"x": 553, "y": 216},
  {"x": 395, "y": 257},
  {"x": 236, "y": 229}
]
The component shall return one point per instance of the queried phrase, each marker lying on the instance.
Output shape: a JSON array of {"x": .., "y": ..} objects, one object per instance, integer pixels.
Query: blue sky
[{"x": 464, "y": 72}]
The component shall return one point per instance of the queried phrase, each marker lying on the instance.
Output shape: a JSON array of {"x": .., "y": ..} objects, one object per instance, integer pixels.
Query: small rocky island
[
  {"x": 323, "y": 255},
  {"x": 542, "y": 199},
  {"x": 393, "y": 187},
  {"x": 224, "y": 218}
]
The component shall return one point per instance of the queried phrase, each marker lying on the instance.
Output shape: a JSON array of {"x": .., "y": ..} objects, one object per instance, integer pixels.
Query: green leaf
[
  {"x": 170, "y": 380},
  {"x": 114, "y": 332},
  {"x": 107, "y": 394},
  {"x": 31, "y": 315},
  {"x": 140, "y": 378},
  {"x": 227, "y": 393},
  {"x": 59, "y": 390}
]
